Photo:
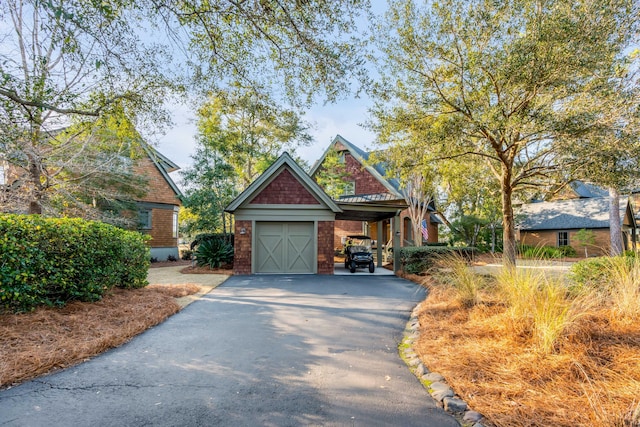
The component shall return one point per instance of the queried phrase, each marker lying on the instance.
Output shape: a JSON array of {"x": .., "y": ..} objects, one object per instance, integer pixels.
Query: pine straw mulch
[
  {"x": 35, "y": 343},
  {"x": 194, "y": 269},
  {"x": 593, "y": 379}
]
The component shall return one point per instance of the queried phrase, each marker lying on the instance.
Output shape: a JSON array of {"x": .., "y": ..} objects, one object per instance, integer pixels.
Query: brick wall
[
  {"x": 345, "y": 228},
  {"x": 158, "y": 191},
  {"x": 365, "y": 182},
  {"x": 325, "y": 247},
  {"x": 285, "y": 189},
  {"x": 433, "y": 228},
  {"x": 242, "y": 248},
  {"x": 550, "y": 238}
]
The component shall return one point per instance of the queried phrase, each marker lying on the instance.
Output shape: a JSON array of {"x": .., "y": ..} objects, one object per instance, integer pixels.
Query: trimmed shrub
[
  {"x": 418, "y": 259},
  {"x": 546, "y": 252},
  {"x": 49, "y": 261},
  {"x": 591, "y": 273}
]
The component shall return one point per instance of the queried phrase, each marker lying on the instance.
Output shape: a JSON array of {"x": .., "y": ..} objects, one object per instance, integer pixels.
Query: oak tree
[{"x": 493, "y": 80}]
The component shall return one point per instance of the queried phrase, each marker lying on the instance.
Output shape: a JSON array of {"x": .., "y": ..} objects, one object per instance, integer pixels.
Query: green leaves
[
  {"x": 498, "y": 81},
  {"x": 53, "y": 261},
  {"x": 214, "y": 252}
]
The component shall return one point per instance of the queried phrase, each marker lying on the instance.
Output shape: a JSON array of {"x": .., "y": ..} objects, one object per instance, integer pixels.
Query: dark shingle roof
[
  {"x": 568, "y": 214},
  {"x": 586, "y": 190}
]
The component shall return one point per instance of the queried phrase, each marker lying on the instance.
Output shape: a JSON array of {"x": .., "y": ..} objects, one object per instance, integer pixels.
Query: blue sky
[{"x": 343, "y": 117}]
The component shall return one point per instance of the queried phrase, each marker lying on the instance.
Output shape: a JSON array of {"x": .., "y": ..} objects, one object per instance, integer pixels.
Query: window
[
  {"x": 341, "y": 158},
  {"x": 563, "y": 238},
  {"x": 144, "y": 219},
  {"x": 175, "y": 225},
  {"x": 349, "y": 188}
]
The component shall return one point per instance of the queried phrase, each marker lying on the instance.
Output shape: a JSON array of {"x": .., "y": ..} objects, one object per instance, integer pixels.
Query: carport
[{"x": 374, "y": 208}]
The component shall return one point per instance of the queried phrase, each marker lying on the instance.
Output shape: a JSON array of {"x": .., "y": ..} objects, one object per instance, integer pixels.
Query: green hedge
[
  {"x": 49, "y": 261},
  {"x": 418, "y": 259},
  {"x": 546, "y": 252}
]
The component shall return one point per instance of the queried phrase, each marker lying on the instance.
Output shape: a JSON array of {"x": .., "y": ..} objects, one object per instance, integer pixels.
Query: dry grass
[
  {"x": 32, "y": 344},
  {"x": 591, "y": 379}
]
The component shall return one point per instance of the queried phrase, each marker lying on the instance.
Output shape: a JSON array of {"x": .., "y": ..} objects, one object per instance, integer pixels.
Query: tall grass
[
  {"x": 624, "y": 288},
  {"x": 539, "y": 306},
  {"x": 462, "y": 279}
]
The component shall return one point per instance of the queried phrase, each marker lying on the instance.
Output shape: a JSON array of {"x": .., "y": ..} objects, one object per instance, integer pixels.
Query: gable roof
[
  {"x": 164, "y": 166},
  {"x": 568, "y": 214},
  {"x": 587, "y": 190},
  {"x": 377, "y": 170},
  {"x": 284, "y": 161}
]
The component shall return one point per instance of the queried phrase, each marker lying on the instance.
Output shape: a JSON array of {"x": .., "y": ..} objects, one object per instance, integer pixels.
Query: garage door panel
[
  {"x": 271, "y": 250},
  {"x": 285, "y": 247},
  {"x": 300, "y": 253}
]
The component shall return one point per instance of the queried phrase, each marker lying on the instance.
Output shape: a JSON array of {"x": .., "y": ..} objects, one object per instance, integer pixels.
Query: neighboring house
[
  {"x": 557, "y": 223},
  {"x": 158, "y": 209},
  {"x": 370, "y": 186}
]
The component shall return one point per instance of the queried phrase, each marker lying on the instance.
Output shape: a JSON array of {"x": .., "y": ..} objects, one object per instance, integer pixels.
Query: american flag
[{"x": 425, "y": 230}]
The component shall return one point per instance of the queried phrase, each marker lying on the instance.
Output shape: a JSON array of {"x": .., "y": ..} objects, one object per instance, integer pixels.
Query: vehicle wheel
[
  {"x": 372, "y": 267},
  {"x": 353, "y": 267}
]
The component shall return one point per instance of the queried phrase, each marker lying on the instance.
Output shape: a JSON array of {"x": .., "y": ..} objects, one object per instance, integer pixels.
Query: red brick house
[
  {"x": 580, "y": 207},
  {"x": 371, "y": 186},
  {"x": 286, "y": 223},
  {"x": 158, "y": 209}
]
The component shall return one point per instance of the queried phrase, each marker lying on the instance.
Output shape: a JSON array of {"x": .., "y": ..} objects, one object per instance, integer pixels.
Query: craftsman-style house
[
  {"x": 156, "y": 207},
  {"x": 285, "y": 221}
]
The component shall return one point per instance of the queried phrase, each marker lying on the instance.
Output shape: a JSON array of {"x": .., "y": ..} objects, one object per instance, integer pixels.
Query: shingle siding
[{"x": 285, "y": 189}]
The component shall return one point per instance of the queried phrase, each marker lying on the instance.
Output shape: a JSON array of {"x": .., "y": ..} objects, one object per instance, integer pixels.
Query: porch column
[
  {"x": 381, "y": 242},
  {"x": 396, "y": 242}
]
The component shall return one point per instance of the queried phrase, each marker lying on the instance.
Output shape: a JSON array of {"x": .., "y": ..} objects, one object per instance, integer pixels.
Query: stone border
[{"x": 435, "y": 383}]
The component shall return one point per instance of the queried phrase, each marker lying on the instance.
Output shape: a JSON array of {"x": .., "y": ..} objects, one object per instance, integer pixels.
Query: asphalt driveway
[{"x": 256, "y": 351}]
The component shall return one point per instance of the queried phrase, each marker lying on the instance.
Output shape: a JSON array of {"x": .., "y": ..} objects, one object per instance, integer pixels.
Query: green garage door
[{"x": 284, "y": 247}]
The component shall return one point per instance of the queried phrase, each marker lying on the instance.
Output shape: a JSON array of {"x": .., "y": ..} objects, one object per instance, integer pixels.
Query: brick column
[
  {"x": 325, "y": 247},
  {"x": 242, "y": 249}
]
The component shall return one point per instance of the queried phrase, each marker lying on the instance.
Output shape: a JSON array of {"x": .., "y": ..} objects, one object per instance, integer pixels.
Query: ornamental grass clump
[
  {"x": 624, "y": 288},
  {"x": 462, "y": 279},
  {"x": 554, "y": 312},
  {"x": 540, "y": 306}
]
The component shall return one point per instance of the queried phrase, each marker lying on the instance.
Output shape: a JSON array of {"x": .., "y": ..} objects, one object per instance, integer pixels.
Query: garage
[
  {"x": 285, "y": 247},
  {"x": 283, "y": 223}
]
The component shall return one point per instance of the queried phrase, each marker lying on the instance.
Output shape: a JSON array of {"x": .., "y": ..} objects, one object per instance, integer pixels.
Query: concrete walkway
[
  {"x": 256, "y": 351},
  {"x": 550, "y": 267},
  {"x": 172, "y": 276},
  {"x": 339, "y": 270}
]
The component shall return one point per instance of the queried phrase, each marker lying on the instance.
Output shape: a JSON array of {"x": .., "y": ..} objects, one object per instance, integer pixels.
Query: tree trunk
[
  {"x": 508, "y": 223},
  {"x": 493, "y": 237},
  {"x": 615, "y": 226},
  {"x": 37, "y": 191}
]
